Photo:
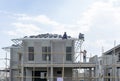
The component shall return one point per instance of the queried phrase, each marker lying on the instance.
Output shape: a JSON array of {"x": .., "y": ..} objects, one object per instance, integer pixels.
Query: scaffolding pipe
[
  {"x": 113, "y": 61},
  {"x": 6, "y": 66}
]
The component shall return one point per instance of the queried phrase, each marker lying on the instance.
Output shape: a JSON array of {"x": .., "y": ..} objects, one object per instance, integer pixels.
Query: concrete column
[
  {"x": 63, "y": 68},
  {"x": 51, "y": 69},
  {"x": 28, "y": 74},
  {"x": 90, "y": 74},
  {"x": 113, "y": 73},
  {"x": 95, "y": 74},
  {"x": 118, "y": 73},
  {"x": 22, "y": 74},
  {"x": 51, "y": 75}
]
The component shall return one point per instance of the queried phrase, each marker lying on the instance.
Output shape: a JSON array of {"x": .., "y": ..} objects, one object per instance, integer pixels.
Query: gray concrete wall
[
  {"x": 14, "y": 62},
  {"x": 58, "y": 50},
  {"x": 14, "y": 74},
  {"x": 14, "y": 57}
]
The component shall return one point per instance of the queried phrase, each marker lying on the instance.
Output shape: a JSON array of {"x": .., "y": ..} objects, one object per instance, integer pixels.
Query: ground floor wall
[
  {"x": 112, "y": 74},
  {"x": 15, "y": 75},
  {"x": 45, "y": 74}
]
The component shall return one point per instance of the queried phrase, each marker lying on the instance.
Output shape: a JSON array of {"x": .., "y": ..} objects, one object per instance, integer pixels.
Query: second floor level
[
  {"x": 112, "y": 56},
  {"x": 44, "y": 51}
]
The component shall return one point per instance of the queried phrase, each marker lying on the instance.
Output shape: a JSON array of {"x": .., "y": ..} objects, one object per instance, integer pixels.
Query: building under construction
[
  {"x": 48, "y": 57},
  {"x": 53, "y": 57}
]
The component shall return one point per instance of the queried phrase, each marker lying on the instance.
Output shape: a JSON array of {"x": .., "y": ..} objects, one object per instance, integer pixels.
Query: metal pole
[
  {"x": 90, "y": 74},
  {"x": 113, "y": 61},
  {"x": 6, "y": 66}
]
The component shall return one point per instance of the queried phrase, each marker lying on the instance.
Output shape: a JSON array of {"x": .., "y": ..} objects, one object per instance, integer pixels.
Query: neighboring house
[{"x": 111, "y": 64}]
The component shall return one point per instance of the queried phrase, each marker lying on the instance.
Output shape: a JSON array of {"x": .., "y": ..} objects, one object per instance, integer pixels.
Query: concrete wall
[
  {"x": 58, "y": 49},
  {"x": 14, "y": 57},
  {"x": 118, "y": 74},
  {"x": 68, "y": 74},
  {"x": 14, "y": 62},
  {"x": 13, "y": 75}
]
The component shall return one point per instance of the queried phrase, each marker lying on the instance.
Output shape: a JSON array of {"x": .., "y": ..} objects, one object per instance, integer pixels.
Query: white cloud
[
  {"x": 40, "y": 18},
  {"x": 103, "y": 21},
  {"x": 98, "y": 10},
  {"x": 12, "y": 33},
  {"x": 100, "y": 21},
  {"x": 99, "y": 14},
  {"x": 45, "y": 20},
  {"x": 56, "y": 27},
  {"x": 102, "y": 43},
  {"x": 24, "y": 29},
  {"x": 89, "y": 16},
  {"x": 23, "y": 17},
  {"x": 113, "y": 1}
]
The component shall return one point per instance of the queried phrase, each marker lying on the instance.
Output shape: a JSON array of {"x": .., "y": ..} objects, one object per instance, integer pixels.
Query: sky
[{"x": 99, "y": 20}]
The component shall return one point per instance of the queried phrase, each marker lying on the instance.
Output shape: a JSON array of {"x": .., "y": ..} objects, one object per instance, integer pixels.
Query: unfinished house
[
  {"x": 111, "y": 64},
  {"x": 45, "y": 57}
]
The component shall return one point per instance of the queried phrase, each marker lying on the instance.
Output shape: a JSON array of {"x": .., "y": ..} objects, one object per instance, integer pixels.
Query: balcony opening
[{"x": 39, "y": 76}]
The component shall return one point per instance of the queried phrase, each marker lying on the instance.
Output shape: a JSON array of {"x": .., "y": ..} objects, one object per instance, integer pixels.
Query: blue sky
[{"x": 99, "y": 20}]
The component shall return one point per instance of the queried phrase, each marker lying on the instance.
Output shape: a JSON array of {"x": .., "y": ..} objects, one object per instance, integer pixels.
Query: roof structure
[
  {"x": 47, "y": 35},
  {"x": 109, "y": 52}
]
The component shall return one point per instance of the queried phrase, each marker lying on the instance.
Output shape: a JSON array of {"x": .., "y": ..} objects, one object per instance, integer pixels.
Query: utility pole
[
  {"x": 6, "y": 66},
  {"x": 113, "y": 62}
]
